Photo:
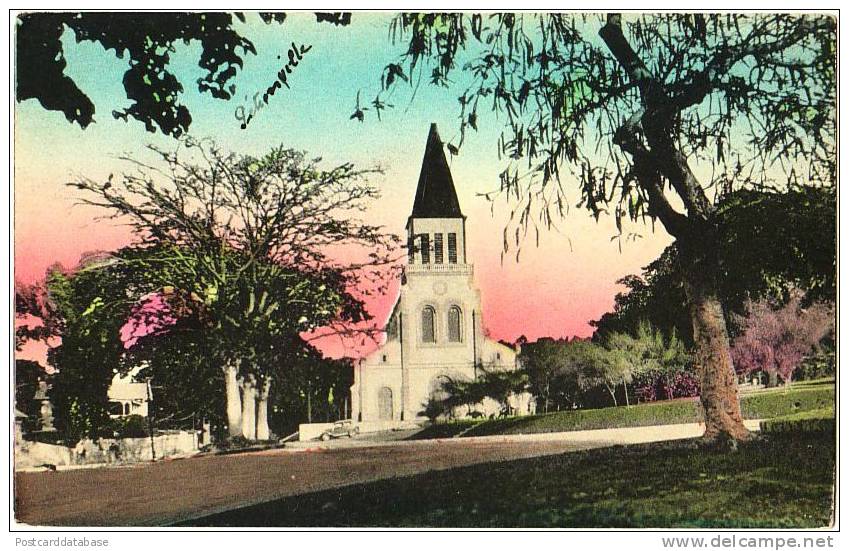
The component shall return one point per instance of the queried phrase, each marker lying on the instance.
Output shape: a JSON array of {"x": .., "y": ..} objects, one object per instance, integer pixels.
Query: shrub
[
  {"x": 819, "y": 365},
  {"x": 657, "y": 385},
  {"x": 817, "y": 420},
  {"x": 234, "y": 443},
  {"x": 767, "y": 405},
  {"x": 132, "y": 426}
]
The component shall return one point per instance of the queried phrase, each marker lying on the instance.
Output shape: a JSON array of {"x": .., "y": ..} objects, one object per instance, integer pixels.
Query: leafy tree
[
  {"x": 647, "y": 355},
  {"x": 552, "y": 372},
  {"x": 772, "y": 244},
  {"x": 656, "y": 296},
  {"x": 777, "y": 339},
  {"x": 315, "y": 388},
  {"x": 186, "y": 385},
  {"x": 245, "y": 249},
  {"x": 36, "y": 317},
  {"x": 775, "y": 244},
  {"x": 645, "y": 113},
  {"x": 456, "y": 392},
  {"x": 28, "y": 374},
  {"x": 601, "y": 368},
  {"x": 148, "y": 40},
  {"x": 498, "y": 385},
  {"x": 90, "y": 306}
]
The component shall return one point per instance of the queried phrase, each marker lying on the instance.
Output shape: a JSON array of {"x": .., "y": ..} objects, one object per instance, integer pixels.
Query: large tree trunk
[
  {"x": 713, "y": 357},
  {"x": 234, "y": 403},
  {"x": 249, "y": 408},
  {"x": 262, "y": 431}
]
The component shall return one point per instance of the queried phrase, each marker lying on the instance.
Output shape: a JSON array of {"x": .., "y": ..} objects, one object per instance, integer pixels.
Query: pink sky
[{"x": 555, "y": 290}]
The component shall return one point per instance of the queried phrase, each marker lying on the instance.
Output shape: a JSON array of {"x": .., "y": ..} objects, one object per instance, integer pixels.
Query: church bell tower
[{"x": 436, "y": 229}]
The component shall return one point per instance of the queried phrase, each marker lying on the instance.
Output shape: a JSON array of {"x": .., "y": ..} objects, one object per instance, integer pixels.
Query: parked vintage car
[{"x": 340, "y": 429}]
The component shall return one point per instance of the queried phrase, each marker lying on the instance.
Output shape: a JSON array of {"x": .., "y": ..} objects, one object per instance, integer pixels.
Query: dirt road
[{"x": 178, "y": 490}]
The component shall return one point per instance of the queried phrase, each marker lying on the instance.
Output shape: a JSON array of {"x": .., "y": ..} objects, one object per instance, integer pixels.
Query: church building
[{"x": 435, "y": 327}]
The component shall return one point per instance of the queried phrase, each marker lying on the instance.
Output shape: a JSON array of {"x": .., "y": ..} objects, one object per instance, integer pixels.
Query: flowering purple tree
[{"x": 777, "y": 339}]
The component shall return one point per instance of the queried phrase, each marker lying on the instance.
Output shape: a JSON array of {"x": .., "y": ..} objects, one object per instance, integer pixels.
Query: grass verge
[
  {"x": 781, "y": 481},
  {"x": 816, "y": 420},
  {"x": 761, "y": 405},
  {"x": 444, "y": 430}
]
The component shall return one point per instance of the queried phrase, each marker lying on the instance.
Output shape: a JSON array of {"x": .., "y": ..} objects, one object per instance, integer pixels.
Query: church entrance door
[{"x": 384, "y": 404}]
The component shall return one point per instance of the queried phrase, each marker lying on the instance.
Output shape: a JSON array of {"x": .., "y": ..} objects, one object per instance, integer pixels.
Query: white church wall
[{"x": 440, "y": 285}]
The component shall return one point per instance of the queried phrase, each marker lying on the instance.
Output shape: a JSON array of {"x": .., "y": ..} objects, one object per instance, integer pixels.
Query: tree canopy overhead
[
  {"x": 147, "y": 39},
  {"x": 621, "y": 102},
  {"x": 650, "y": 116}
]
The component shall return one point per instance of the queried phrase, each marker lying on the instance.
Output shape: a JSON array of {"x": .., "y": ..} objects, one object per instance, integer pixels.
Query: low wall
[{"x": 105, "y": 450}]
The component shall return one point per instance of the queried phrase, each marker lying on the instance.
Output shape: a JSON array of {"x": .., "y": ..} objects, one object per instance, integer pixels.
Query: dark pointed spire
[{"x": 435, "y": 194}]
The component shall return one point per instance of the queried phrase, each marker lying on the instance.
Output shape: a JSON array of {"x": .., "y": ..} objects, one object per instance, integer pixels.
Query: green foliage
[
  {"x": 815, "y": 420},
  {"x": 821, "y": 364},
  {"x": 760, "y": 405},
  {"x": 455, "y": 392},
  {"x": 148, "y": 40},
  {"x": 771, "y": 243},
  {"x": 566, "y": 374},
  {"x": 257, "y": 272},
  {"x": 92, "y": 303},
  {"x": 308, "y": 387},
  {"x": 131, "y": 426},
  {"x": 186, "y": 384},
  {"x": 775, "y": 243},
  {"x": 549, "y": 368},
  {"x": 28, "y": 373},
  {"x": 647, "y": 351},
  {"x": 237, "y": 251}
]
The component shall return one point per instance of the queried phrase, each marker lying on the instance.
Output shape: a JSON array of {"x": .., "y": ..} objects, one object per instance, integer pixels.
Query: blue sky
[{"x": 555, "y": 290}]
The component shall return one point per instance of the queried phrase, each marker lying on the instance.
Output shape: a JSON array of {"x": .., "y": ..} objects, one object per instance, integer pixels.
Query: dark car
[{"x": 340, "y": 429}]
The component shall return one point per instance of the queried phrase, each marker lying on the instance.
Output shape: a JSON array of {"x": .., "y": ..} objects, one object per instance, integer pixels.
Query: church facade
[{"x": 435, "y": 327}]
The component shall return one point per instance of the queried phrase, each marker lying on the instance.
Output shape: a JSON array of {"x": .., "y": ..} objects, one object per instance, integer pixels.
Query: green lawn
[
  {"x": 759, "y": 405},
  {"x": 822, "y": 420},
  {"x": 782, "y": 480}
]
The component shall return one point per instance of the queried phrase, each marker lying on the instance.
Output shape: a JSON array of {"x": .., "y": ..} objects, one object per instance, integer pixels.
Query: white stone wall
[{"x": 105, "y": 450}]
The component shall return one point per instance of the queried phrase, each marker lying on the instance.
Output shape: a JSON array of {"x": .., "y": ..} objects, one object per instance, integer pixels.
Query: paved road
[{"x": 178, "y": 490}]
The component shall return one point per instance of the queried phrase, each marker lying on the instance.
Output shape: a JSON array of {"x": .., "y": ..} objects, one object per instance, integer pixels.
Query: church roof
[{"x": 435, "y": 194}]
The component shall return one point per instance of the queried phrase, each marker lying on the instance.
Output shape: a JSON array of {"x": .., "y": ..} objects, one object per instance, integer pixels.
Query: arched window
[
  {"x": 428, "y": 324},
  {"x": 455, "y": 324}
]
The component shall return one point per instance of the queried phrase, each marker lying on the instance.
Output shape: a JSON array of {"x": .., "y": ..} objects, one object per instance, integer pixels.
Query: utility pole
[
  {"x": 309, "y": 403},
  {"x": 403, "y": 371},
  {"x": 150, "y": 419},
  {"x": 475, "y": 345}
]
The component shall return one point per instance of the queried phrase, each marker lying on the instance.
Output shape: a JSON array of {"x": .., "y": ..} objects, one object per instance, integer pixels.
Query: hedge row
[
  {"x": 817, "y": 420},
  {"x": 763, "y": 405}
]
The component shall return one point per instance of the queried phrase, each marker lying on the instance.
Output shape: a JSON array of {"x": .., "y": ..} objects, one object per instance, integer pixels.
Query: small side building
[{"x": 127, "y": 396}]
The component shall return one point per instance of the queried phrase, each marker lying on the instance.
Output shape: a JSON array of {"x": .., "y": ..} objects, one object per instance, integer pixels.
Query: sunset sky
[{"x": 555, "y": 289}]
